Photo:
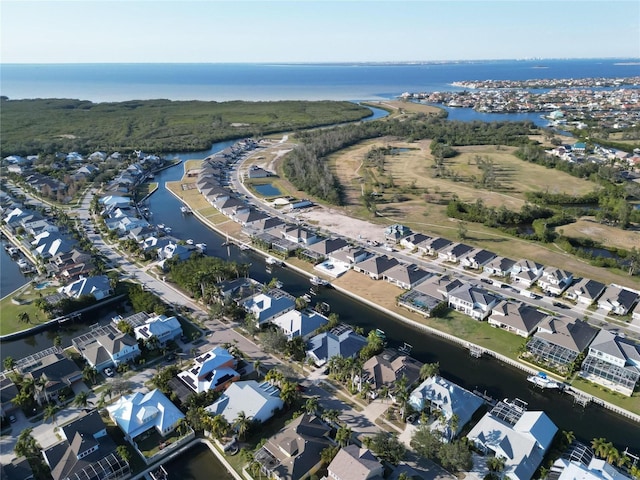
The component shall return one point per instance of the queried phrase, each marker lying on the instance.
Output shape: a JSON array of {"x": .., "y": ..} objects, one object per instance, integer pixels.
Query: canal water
[{"x": 197, "y": 463}]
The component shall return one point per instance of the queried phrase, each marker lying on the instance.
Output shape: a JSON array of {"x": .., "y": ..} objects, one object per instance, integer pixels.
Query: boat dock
[{"x": 475, "y": 351}]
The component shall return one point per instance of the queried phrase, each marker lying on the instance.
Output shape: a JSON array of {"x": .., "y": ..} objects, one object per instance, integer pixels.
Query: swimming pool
[{"x": 42, "y": 286}]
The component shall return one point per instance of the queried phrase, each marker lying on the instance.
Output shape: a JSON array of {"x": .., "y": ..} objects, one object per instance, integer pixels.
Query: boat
[
  {"x": 161, "y": 226},
  {"x": 306, "y": 297},
  {"x": 202, "y": 247},
  {"x": 167, "y": 229},
  {"x": 273, "y": 261},
  {"x": 405, "y": 349},
  {"x": 543, "y": 381},
  {"x": 319, "y": 282},
  {"x": 244, "y": 246},
  {"x": 185, "y": 209},
  {"x": 22, "y": 263},
  {"x": 189, "y": 242}
]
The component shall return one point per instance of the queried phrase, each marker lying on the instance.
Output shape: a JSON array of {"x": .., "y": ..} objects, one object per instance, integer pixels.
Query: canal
[{"x": 197, "y": 463}]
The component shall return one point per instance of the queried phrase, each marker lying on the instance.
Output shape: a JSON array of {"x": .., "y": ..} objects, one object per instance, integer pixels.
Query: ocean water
[{"x": 254, "y": 82}]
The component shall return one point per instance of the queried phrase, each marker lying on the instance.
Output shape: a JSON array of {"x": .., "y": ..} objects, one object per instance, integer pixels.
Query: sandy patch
[{"x": 335, "y": 221}]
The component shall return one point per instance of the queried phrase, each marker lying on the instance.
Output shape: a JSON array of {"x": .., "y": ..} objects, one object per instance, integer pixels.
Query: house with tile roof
[
  {"x": 613, "y": 361},
  {"x": 585, "y": 291},
  {"x": 499, "y": 267},
  {"x": 161, "y": 327},
  {"x": 618, "y": 300},
  {"x": 454, "y": 252},
  {"x": 341, "y": 340},
  {"x": 433, "y": 246},
  {"x": 294, "y": 452},
  {"x": 525, "y": 272},
  {"x": 406, "y": 276},
  {"x": 558, "y": 341},
  {"x": 375, "y": 266},
  {"x": 135, "y": 414},
  {"x": 355, "y": 463},
  {"x": 265, "y": 307},
  {"x": 387, "y": 368},
  {"x": 258, "y": 401},
  {"x": 472, "y": 300},
  {"x": 519, "y": 437},
  {"x": 555, "y": 281},
  {"x": 212, "y": 370},
  {"x": 295, "y": 323},
  {"x": 516, "y": 317},
  {"x": 437, "y": 393},
  {"x": 85, "y": 452},
  {"x": 477, "y": 258}
]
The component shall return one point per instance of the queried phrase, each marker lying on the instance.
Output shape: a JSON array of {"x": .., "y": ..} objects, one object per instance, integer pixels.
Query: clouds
[{"x": 314, "y": 31}]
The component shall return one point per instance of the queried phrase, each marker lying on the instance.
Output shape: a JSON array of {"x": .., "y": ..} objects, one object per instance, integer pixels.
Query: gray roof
[
  {"x": 502, "y": 263},
  {"x": 588, "y": 288},
  {"x": 329, "y": 245},
  {"x": 339, "y": 341},
  {"x": 618, "y": 295},
  {"x": 458, "y": 249},
  {"x": 354, "y": 463},
  {"x": 517, "y": 315},
  {"x": 378, "y": 264},
  {"x": 474, "y": 294},
  {"x": 616, "y": 346},
  {"x": 407, "y": 274},
  {"x": 437, "y": 243},
  {"x": 572, "y": 334},
  {"x": 438, "y": 286}
]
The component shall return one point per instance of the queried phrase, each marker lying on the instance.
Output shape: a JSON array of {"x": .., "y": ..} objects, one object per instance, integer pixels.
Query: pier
[{"x": 475, "y": 351}]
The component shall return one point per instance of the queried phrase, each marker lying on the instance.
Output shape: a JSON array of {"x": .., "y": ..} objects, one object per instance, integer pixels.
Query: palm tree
[
  {"x": 331, "y": 415},
  {"x": 343, "y": 436},
  {"x": 124, "y": 453},
  {"x": 41, "y": 388},
  {"x": 288, "y": 393},
  {"x": 384, "y": 392},
  {"x": 242, "y": 424},
  {"x": 568, "y": 437},
  {"x": 50, "y": 413},
  {"x": 600, "y": 446},
  {"x": 429, "y": 370},
  {"x": 24, "y": 317},
  {"x": 89, "y": 374},
  {"x": 26, "y": 445},
  {"x": 82, "y": 399},
  {"x": 495, "y": 464},
  {"x": 613, "y": 455},
  {"x": 9, "y": 363},
  {"x": 453, "y": 425},
  {"x": 219, "y": 426},
  {"x": 311, "y": 405}
]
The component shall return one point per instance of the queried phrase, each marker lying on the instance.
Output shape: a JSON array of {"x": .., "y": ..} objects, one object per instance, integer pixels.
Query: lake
[{"x": 267, "y": 190}]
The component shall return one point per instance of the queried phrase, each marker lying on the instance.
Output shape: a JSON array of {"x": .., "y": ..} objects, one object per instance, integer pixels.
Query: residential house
[
  {"x": 299, "y": 235},
  {"x": 499, "y": 267},
  {"x": 117, "y": 201},
  {"x": 341, "y": 340},
  {"x": 136, "y": 414},
  {"x": 267, "y": 306},
  {"x": 375, "y": 266},
  {"x": 8, "y": 391},
  {"x": 355, "y": 463},
  {"x": 526, "y": 272},
  {"x": 454, "y": 252},
  {"x": 519, "y": 437},
  {"x": 559, "y": 341},
  {"x": 294, "y": 452},
  {"x": 258, "y": 172},
  {"x": 295, "y": 323},
  {"x": 477, "y": 258},
  {"x": 472, "y": 300},
  {"x": 412, "y": 241},
  {"x": 349, "y": 255},
  {"x": 519, "y": 318},
  {"x": 175, "y": 250},
  {"x": 248, "y": 217},
  {"x": 433, "y": 246},
  {"x": 106, "y": 346},
  {"x": 430, "y": 293},
  {"x": 439, "y": 394},
  {"x": 387, "y": 368},
  {"x": 258, "y": 401},
  {"x": 267, "y": 224},
  {"x": 49, "y": 244},
  {"x": 85, "y": 452},
  {"x": 592, "y": 469},
  {"x": 613, "y": 361},
  {"x": 618, "y": 300},
  {"x": 36, "y": 226},
  {"x": 57, "y": 371},
  {"x": 406, "y": 276},
  {"x": 161, "y": 327},
  {"x": 71, "y": 265},
  {"x": 212, "y": 370},
  {"x": 329, "y": 245},
  {"x": 396, "y": 232},
  {"x": 585, "y": 291},
  {"x": 555, "y": 281},
  {"x": 17, "y": 469},
  {"x": 98, "y": 287}
]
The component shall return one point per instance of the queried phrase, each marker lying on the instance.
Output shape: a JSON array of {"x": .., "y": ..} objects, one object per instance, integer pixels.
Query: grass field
[
  {"x": 587, "y": 227},
  {"x": 9, "y": 311}
]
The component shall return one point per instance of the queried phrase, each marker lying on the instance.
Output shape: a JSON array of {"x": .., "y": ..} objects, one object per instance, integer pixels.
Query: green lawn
[
  {"x": 9, "y": 311},
  {"x": 628, "y": 403}
]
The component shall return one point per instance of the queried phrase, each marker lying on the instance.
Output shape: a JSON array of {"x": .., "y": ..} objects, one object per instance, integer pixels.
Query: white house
[
  {"x": 555, "y": 281},
  {"x": 472, "y": 300},
  {"x": 258, "y": 401},
  {"x": 213, "y": 370},
  {"x": 299, "y": 324},
  {"x": 161, "y": 327},
  {"x": 98, "y": 287},
  {"x": 617, "y": 300},
  {"x": 267, "y": 306}
]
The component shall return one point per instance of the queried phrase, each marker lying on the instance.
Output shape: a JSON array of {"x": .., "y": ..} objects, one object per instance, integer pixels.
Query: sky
[{"x": 242, "y": 31}]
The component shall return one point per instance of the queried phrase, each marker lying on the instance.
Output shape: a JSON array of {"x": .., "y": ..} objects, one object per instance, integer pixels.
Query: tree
[
  {"x": 331, "y": 415},
  {"x": 275, "y": 377},
  {"x": 256, "y": 367},
  {"x": 425, "y": 442},
  {"x": 9, "y": 363},
  {"x": 429, "y": 370},
  {"x": 343, "y": 436},
  {"x": 296, "y": 349},
  {"x": 288, "y": 393},
  {"x": 384, "y": 392},
  {"x": 455, "y": 456},
  {"x": 57, "y": 341},
  {"x": 50, "y": 412},
  {"x": 26, "y": 445},
  {"x": 82, "y": 399},
  {"x": 124, "y": 453},
  {"x": 89, "y": 374},
  {"x": 241, "y": 424},
  {"x": 495, "y": 465},
  {"x": 24, "y": 317},
  {"x": 462, "y": 230},
  {"x": 386, "y": 447},
  {"x": 328, "y": 454},
  {"x": 41, "y": 388},
  {"x": 311, "y": 405},
  {"x": 600, "y": 447},
  {"x": 219, "y": 426}
]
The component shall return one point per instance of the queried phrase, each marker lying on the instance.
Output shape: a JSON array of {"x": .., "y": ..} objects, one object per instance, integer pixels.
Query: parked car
[{"x": 12, "y": 418}]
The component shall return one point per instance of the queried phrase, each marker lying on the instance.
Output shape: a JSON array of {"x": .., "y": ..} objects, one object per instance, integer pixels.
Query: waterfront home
[
  {"x": 294, "y": 452},
  {"x": 341, "y": 340},
  {"x": 585, "y": 291},
  {"x": 349, "y": 256},
  {"x": 386, "y": 369},
  {"x": 118, "y": 201},
  {"x": 98, "y": 287},
  {"x": 519, "y": 318},
  {"x": 212, "y": 370},
  {"x": 329, "y": 245},
  {"x": 499, "y": 267},
  {"x": 106, "y": 346},
  {"x": 614, "y": 362},
  {"x": 267, "y": 306},
  {"x": 258, "y": 401},
  {"x": 160, "y": 327},
  {"x": 585, "y": 466},
  {"x": 519, "y": 437},
  {"x": 49, "y": 244},
  {"x": 439, "y": 394},
  {"x": 472, "y": 300},
  {"x": 355, "y": 463},
  {"x": 17, "y": 469},
  {"x": 299, "y": 235},
  {"x": 555, "y": 281},
  {"x": 295, "y": 323},
  {"x": 249, "y": 217},
  {"x": 57, "y": 372},
  {"x": 8, "y": 391},
  {"x": 71, "y": 265},
  {"x": 477, "y": 258},
  {"x": 136, "y": 414},
  {"x": 267, "y": 224},
  {"x": 433, "y": 246},
  {"x": 617, "y": 300},
  {"x": 412, "y": 241},
  {"x": 85, "y": 452},
  {"x": 375, "y": 266},
  {"x": 430, "y": 293},
  {"x": 175, "y": 250},
  {"x": 406, "y": 276},
  {"x": 558, "y": 341},
  {"x": 526, "y": 272},
  {"x": 454, "y": 252},
  {"x": 35, "y": 227}
]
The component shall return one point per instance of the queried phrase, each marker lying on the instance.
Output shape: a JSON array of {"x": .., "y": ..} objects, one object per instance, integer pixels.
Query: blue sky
[{"x": 85, "y": 31}]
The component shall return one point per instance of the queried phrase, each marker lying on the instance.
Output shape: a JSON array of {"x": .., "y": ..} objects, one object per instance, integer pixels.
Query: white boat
[
  {"x": 22, "y": 263},
  {"x": 244, "y": 246},
  {"x": 167, "y": 229},
  {"x": 541, "y": 380},
  {"x": 185, "y": 209},
  {"x": 273, "y": 261},
  {"x": 202, "y": 247},
  {"x": 320, "y": 282},
  {"x": 189, "y": 242},
  {"x": 161, "y": 226}
]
